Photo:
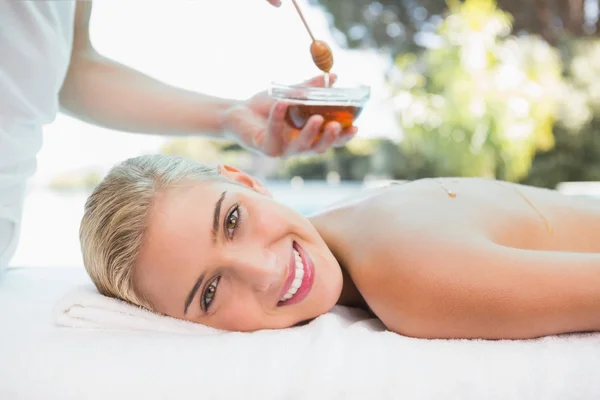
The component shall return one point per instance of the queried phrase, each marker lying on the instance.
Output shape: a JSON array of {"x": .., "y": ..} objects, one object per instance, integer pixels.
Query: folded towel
[
  {"x": 342, "y": 354},
  {"x": 85, "y": 307}
]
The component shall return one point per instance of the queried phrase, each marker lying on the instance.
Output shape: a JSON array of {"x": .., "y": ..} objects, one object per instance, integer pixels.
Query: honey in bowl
[
  {"x": 298, "y": 114},
  {"x": 340, "y": 103}
]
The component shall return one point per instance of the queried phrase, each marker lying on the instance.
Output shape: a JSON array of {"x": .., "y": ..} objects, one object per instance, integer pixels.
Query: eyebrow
[
  {"x": 215, "y": 230},
  {"x": 192, "y": 293}
]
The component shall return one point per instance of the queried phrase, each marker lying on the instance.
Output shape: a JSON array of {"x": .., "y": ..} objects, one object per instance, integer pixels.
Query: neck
[
  {"x": 334, "y": 233},
  {"x": 350, "y": 296}
]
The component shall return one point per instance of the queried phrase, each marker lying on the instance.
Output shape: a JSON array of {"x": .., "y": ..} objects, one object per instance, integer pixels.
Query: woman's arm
[
  {"x": 106, "y": 93},
  {"x": 479, "y": 289}
]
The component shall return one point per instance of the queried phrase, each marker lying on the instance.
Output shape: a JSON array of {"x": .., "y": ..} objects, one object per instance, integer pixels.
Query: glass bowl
[{"x": 342, "y": 102}]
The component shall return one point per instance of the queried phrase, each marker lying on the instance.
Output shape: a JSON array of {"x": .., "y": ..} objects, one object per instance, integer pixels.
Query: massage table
[{"x": 341, "y": 355}]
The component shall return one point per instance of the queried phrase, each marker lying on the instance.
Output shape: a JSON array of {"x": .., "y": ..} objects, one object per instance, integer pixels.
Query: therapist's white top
[{"x": 35, "y": 45}]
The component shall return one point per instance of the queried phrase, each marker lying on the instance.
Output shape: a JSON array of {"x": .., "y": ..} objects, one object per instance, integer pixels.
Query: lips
[{"x": 306, "y": 281}]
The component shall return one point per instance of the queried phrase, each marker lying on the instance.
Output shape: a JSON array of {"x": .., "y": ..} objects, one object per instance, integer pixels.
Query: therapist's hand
[
  {"x": 259, "y": 124},
  {"x": 276, "y": 3}
]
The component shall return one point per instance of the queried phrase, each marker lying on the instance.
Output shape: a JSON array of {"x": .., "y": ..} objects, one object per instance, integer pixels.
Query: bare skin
[
  {"x": 471, "y": 258},
  {"x": 434, "y": 258}
]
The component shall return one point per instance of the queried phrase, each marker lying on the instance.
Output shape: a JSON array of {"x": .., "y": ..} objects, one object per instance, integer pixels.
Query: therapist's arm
[{"x": 106, "y": 93}]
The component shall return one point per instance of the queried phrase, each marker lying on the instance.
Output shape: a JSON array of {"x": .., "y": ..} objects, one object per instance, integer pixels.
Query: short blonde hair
[{"x": 116, "y": 215}]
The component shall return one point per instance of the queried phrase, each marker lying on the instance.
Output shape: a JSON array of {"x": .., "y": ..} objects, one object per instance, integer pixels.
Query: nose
[{"x": 259, "y": 268}]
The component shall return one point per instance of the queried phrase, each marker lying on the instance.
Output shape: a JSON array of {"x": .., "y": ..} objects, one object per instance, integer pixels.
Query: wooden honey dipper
[{"x": 319, "y": 50}]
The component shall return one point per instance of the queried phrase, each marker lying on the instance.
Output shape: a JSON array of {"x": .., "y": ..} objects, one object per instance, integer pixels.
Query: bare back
[
  {"x": 505, "y": 213},
  {"x": 421, "y": 236}
]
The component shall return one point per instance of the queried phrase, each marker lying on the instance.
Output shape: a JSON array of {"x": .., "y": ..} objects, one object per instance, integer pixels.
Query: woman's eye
[
  {"x": 209, "y": 293},
  {"x": 232, "y": 221}
]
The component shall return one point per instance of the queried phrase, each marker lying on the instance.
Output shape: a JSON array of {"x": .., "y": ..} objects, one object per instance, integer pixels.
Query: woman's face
[{"x": 226, "y": 255}]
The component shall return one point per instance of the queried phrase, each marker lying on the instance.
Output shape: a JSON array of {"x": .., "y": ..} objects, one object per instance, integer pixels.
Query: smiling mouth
[
  {"x": 298, "y": 275},
  {"x": 300, "y": 279}
]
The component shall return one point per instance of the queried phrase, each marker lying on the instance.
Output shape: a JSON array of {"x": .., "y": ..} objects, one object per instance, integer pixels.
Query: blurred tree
[
  {"x": 576, "y": 156},
  {"x": 478, "y": 102},
  {"x": 198, "y": 149},
  {"x": 351, "y": 162},
  {"x": 306, "y": 167},
  {"x": 355, "y": 161},
  {"x": 396, "y": 25},
  {"x": 208, "y": 151},
  {"x": 482, "y": 103},
  {"x": 405, "y": 25}
]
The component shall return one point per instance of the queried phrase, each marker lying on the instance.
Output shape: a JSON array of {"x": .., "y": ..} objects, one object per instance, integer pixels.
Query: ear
[{"x": 243, "y": 178}]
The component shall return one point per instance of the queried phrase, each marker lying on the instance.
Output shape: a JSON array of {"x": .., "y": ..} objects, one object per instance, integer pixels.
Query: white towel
[
  {"x": 85, "y": 307},
  {"x": 343, "y": 354}
]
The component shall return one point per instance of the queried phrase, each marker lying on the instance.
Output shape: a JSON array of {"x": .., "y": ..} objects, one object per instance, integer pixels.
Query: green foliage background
[{"x": 479, "y": 97}]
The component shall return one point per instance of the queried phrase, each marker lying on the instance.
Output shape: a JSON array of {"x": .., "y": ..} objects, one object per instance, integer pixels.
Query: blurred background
[{"x": 503, "y": 89}]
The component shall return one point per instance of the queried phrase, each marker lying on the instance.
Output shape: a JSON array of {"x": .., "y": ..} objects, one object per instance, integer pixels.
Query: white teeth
[
  {"x": 297, "y": 283},
  {"x": 286, "y": 297}
]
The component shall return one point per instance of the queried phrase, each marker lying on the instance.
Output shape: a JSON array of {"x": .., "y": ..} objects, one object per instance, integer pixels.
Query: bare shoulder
[
  {"x": 401, "y": 249},
  {"x": 401, "y": 232},
  {"x": 396, "y": 274}
]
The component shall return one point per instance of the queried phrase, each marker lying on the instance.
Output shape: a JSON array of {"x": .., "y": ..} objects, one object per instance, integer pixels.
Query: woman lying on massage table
[{"x": 432, "y": 258}]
